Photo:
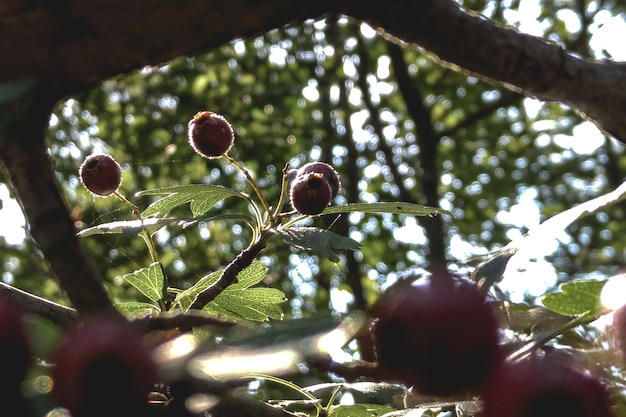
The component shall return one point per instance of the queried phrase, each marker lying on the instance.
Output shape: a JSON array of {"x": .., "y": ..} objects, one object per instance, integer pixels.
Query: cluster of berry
[
  {"x": 440, "y": 335},
  {"x": 313, "y": 188}
]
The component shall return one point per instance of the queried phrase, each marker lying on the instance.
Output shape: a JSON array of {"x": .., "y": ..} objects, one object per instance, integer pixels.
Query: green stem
[
  {"x": 536, "y": 344},
  {"x": 284, "y": 191},
  {"x": 145, "y": 236},
  {"x": 251, "y": 180},
  {"x": 290, "y": 385}
]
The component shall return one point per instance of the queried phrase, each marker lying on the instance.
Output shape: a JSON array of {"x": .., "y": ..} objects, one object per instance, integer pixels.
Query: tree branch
[
  {"x": 25, "y": 157},
  {"x": 83, "y": 43},
  {"x": 521, "y": 62},
  {"x": 64, "y": 317}
]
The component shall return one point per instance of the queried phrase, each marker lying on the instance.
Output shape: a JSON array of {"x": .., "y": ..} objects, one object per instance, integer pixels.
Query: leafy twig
[{"x": 229, "y": 276}]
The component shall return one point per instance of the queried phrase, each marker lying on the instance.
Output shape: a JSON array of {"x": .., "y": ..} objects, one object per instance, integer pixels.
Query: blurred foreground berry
[
  {"x": 15, "y": 357},
  {"x": 103, "y": 369},
  {"x": 210, "y": 134},
  {"x": 328, "y": 173},
  {"x": 544, "y": 387},
  {"x": 310, "y": 193},
  {"x": 100, "y": 174},
  {"x": 15, "y": 352},
  {"x": 437, "y": 334}
]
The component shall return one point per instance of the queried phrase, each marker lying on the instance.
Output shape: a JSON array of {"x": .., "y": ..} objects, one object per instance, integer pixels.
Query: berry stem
[
  {"x": 290, "y": 385},
  {"x": 251, "y": 180},
  {"x": 284, "y": 191},
  {"x": 536, "y": 344},
  {"x": 144, "y": 234},
  {"x": 149, "y": 244}
]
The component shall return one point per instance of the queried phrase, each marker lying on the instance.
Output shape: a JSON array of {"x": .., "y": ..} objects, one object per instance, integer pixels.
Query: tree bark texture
[{"x": 75, "y": 43}]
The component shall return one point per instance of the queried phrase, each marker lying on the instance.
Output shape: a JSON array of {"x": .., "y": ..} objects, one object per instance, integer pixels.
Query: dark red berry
[
  {"x": 210, "y": 134},
  {"x": 100, "y": 174},
  {"x": 327, "y": 171},
  {"x": 544, "y": 387},
  {"x": 15, "y": 349},
  {"x": 103, "y": 369},
  {"x": 310, "y": 193},
  {"x": 438, "y": 334}
]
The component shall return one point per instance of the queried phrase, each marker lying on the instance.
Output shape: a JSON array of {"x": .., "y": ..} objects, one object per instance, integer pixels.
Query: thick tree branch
[
  {"x": 26, "y": 159},
  {"x": 83, "y": 43},
  {"x": 521, "y": 62},
  {"x": 64, "y": 317},
  {"x": 77, "y": 43}
]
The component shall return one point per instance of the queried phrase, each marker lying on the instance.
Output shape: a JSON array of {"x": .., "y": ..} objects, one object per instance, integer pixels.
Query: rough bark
[
  {"x": 74, "y": 43},
  {"x": 26, "y": 159}
]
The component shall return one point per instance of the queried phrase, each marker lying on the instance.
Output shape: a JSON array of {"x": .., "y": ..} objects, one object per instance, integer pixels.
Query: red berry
[
  {"x": 210, "y": 134},
  {"x": 543, "y": 387},
  {"x": 310, "y": 193},
  {"x": 100, "y": 174},
  {"x": 103, "y": 369},
  {"x": 15, "y": 349},
  {"x": 438, "y": 334},
  {"x": 327, "y": 171}
]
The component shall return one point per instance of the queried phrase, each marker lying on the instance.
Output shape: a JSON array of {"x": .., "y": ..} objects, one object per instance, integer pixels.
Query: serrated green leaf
[
  {"x": 202, "y": 198},
  {"x": 251, "y": 275},
  {"x": 574, "y": 298},
  {"x": 148, "y": 281},
  {"x": 125, "y": 227},
  {"x": 238, "y": 300},
  {"x": 387, "y": 207},
  {"x": 256, "y": 304},
  {"x": 187, "y": 297},
  {"x": 319, "y": 240},
  {"x": 136, "y": 309}
]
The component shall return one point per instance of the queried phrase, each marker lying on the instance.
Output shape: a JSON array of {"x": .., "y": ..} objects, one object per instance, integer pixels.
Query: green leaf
[
  {"x": 556, "y": 224},
  {"x": 319, "y": 240},
  {"x": 574, "y": 298},
  {"x": 187, "y": 297},
  {"x": 136, "y": 309},
  {"x": 387, "y": 207},
  {"x": 238, "y": 300},
  {"x": 360, "y": 410},
  {"x": 149, "y": 281},
  {"x": 125, "y": 227},
  {"x": 256, "y": 304},
  {"x": 202, "y": 198}
]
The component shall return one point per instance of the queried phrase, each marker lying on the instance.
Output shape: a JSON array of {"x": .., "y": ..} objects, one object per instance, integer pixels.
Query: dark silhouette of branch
[
  {"x": 84, "y": 43},
  {"x": 229, "y": 276},
  {"x": 62, "y": 316},
  {"x": 428, "y": 141},
  {"x": 25, "y": 157}
]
